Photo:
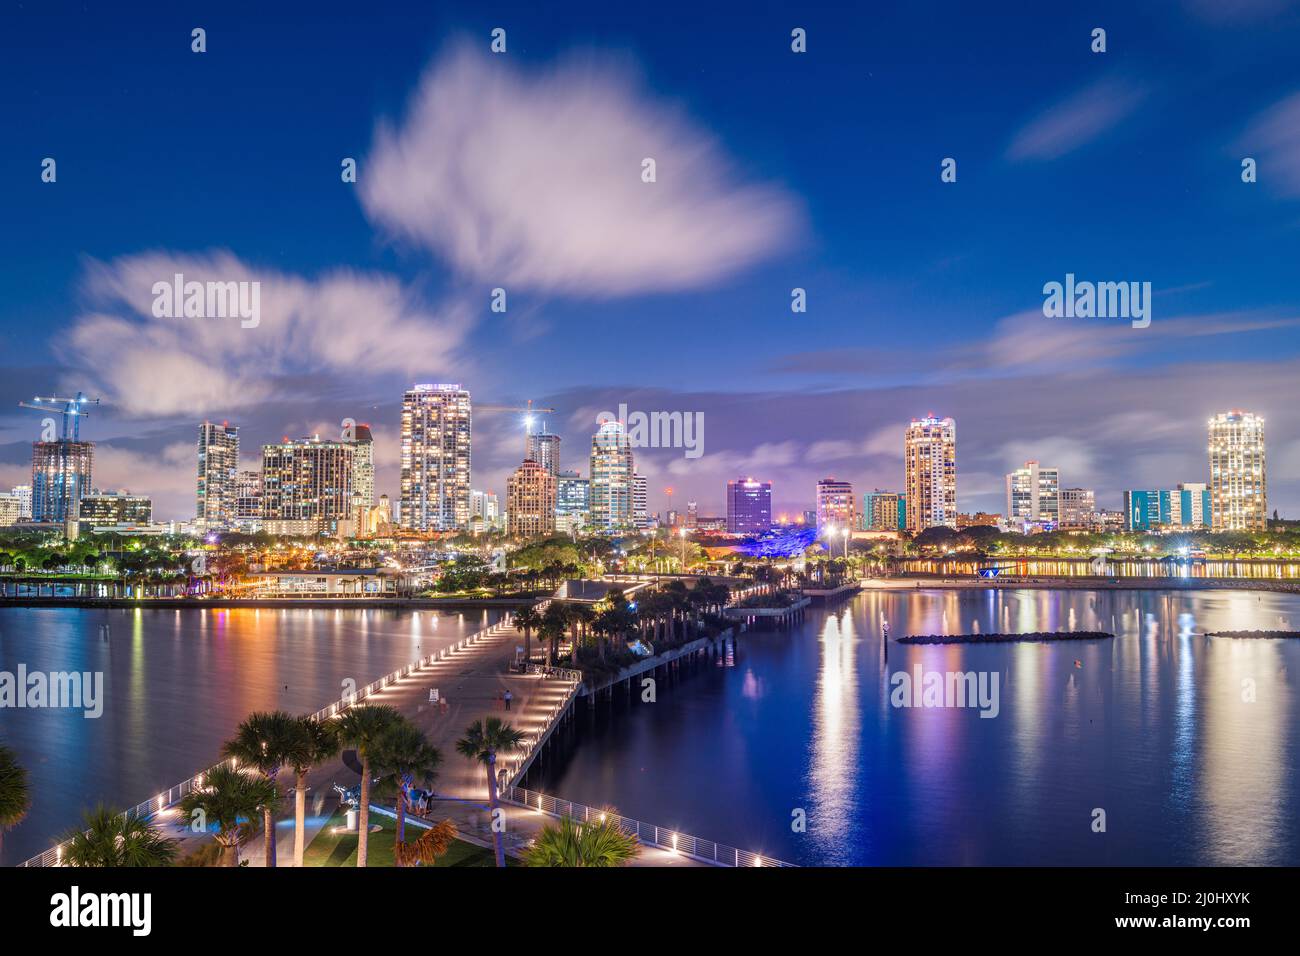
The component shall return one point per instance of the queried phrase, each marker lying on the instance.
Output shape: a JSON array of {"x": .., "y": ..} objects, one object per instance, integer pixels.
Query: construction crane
[
  {"x": 528, "y": 411},
  {"x": 73, "y": 411}
]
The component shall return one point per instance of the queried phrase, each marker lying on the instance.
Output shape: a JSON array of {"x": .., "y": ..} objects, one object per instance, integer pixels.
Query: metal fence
[
  {"x": 54, "y": 855},
  {"x": 514, "y": 768},
  {"x": 674, "y": 841}
]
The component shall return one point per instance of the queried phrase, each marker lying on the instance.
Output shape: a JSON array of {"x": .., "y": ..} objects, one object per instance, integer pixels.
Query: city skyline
[
  {"x": 360, "y": 295},
  {"x": 1034, "y": 492}
]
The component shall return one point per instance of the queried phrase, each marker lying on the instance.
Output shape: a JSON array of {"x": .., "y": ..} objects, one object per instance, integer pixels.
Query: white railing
[
  {"x": 674, "y": 841},
  {"x": 515, "y": 767},
  {"x": 54, "y": 855},
  {"x": 565, "y": 673}
]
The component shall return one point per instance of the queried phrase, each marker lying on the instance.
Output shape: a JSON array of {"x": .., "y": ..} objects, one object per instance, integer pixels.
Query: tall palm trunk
[
  {"x": 401, "y": 815},
  {"x": 230, "y": 852},
  {"x": 363, "y": 816},
  {"x": 268, "y": 824},
  {"x": 299, "y": 817},
  {"x": 497, "y": 845},
  {"x": 528, "y": 645}
]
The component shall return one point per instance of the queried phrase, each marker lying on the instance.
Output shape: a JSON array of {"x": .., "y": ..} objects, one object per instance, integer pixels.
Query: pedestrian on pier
[{"x": 507, "y": 697}]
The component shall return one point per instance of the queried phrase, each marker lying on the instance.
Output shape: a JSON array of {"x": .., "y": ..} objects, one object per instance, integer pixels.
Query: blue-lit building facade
[
  {"x": 61, "y": 476},
  {"x": 1187, "y": 507}
]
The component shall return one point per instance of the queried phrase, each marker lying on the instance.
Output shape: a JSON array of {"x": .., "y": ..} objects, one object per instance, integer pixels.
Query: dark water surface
[
  {"x": 1191, "y": 745},
  {"x": 176, "y": 683}
]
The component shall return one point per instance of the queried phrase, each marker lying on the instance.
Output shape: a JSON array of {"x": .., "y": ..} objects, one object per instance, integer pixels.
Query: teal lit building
[
  {"x": 884, "y": 511},
  {"x": 1185, "y": 507}
]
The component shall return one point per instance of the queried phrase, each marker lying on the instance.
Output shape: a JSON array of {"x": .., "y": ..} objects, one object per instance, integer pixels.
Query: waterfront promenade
[{"x": 470, "y": 681}]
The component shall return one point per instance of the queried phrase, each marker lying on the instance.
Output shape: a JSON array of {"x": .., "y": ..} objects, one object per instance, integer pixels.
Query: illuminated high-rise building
[
  {"x": 749, "y": 506},
  {"x": 530, "y": 501},
  {"x": 835, "y": 504},
  {"x": 611, "y": 477},
  {"x": 61, "y": 475},
  {"x": 218, "y": 464},
  {"x": 248, "y": 499},
  {"x": 930, "y": 469},
  {"x": 1238, "y": 486},
  {"x": 640, "y": 501},
  {"x": 1034, "y": 494},
  {"x": 544, "y": 448},
  {"x": 363, "y": 469},
  {"x": 308, "y": 482},
  {"x": 435, "y": 458},
  {"x": 572, "y": 501}
]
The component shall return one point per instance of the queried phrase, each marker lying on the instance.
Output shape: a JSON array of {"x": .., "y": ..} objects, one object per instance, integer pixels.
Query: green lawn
[{"x": 340, "y": 849}]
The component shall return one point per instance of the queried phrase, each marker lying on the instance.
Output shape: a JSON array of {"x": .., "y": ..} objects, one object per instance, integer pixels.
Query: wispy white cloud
[
  {"x": 1077, "y": 120},
  {"x": 344, "y": 322},
  {"x": 533, "y": 179},
  {"x": 1273, "y": 139}
]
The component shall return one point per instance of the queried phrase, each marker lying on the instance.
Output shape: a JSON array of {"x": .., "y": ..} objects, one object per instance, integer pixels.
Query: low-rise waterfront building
[{"x": 106, "y": 509}]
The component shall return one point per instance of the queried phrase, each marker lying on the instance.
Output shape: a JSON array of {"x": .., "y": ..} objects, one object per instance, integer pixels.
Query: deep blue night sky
[{"x": 775, "y": 170}]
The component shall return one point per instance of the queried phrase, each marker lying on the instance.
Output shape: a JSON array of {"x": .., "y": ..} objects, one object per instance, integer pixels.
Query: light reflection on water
[
  {"x": 1151, "y": 728},
  {"x": 176, "y": 684}
]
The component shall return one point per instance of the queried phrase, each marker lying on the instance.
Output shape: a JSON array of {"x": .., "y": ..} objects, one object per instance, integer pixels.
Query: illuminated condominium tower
[
  {"x": 308, "y": 481},
  {"x": 218, "y": 466},
  {"x": 435, "y": 458},
  {"x": 836, "y": 505},
  {"x": 611, "y": 477},
  {"x": 544, "y": 448},
  {"x": 749, "y": 506},
  {"x": 1034, "y": 494},
  {"x": 363, "y": 469},
  {"x": 248, "y": 499},
  {"x": 530, "y": 501},
  {"x": 930, "y": 466},
  {"x": 1238, "y": 490},
  {"x": 640, "y": 501}
]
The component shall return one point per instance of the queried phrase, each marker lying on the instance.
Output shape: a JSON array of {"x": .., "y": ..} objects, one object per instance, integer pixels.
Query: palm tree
[
  {"x": 404, "y": 756},
  {"x": 526, "y": 620},
  {"x": 363, "y": 727},
  {"x": 554, "y": 623},
  {"x": 483, "y": 740},
  {"x": 315, "y": 741},
  {"x": 582, "y": 615},
  {"x": 265, "y": 740},
  {"x": 227, "y": 795},
  {"x": 581, "y": 844},
  {"x": 15, "y": 797},
  {"x": 112, "y": 839}
]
